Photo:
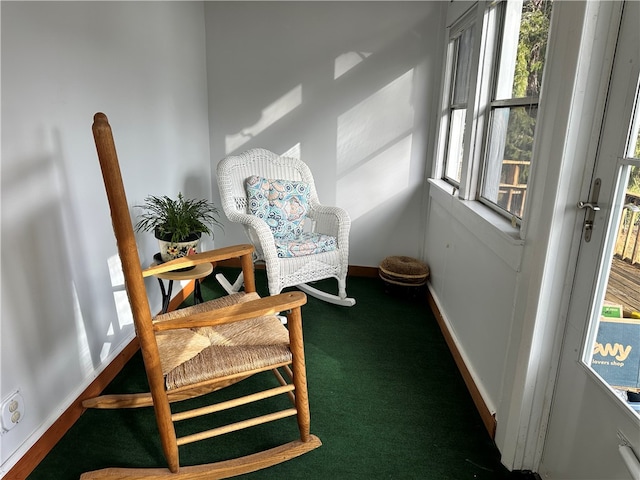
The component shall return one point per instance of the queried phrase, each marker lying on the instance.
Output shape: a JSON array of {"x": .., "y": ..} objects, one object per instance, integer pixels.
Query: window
[
  {"x": 493, "y": 165},
  {"x": 460, "y": 45}
]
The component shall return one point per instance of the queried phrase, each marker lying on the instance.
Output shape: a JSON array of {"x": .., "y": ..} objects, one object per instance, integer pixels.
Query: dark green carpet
[{"x": 386, "y": 400}]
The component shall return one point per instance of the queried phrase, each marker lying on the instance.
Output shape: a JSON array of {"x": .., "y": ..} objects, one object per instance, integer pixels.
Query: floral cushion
[
  {"x": 257, "y": 193},
  {"x": 307, "y": 243},
  {"x": 283, "y": 204}
]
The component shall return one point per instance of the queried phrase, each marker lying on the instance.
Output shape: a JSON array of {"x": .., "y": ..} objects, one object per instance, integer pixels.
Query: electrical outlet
[{"x": 12, "y": 411}]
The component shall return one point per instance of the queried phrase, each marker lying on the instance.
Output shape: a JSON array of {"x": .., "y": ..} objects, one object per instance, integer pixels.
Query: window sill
[{"x": 490, "y": 228}]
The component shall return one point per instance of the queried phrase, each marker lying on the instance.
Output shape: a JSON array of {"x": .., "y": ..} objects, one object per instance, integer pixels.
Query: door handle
[{"x": 592, "y": 207}]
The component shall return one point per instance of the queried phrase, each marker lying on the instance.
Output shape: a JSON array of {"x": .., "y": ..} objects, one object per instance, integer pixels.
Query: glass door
[
  {"x": 612, "y": 346},
  {"x": 594, "y": 424}
]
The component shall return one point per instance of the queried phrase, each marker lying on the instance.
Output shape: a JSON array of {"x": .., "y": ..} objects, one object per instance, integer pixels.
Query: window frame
[
  {"x": 489, "y": 22},
  {"x": 465, "y": 23}
]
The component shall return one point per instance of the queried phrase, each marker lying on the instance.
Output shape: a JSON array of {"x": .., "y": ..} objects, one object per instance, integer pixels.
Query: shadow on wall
[
  {"x": 340, "y": 85},
  {"x": 37, "y": 281},
  {"x": 45, "y": 275}
]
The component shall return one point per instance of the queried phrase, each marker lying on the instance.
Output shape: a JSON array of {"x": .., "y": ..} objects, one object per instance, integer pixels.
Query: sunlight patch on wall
[
  {"x": 347, "y": 61},
  {"x": 376, "y": 122},
  {"x": 106, "y": 346},
  {"x": 84, "y": 353},
  {"x": 377, "y": 180},
  {"x": 293, "y": 152},
  {"x": 121, "y": 300},
  {"x": 270, "y": 115}
]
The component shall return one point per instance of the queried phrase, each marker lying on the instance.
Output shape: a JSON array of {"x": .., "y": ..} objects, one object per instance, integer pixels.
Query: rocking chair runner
[
  {"x": 275, "y": 199},
  {"x": 200, "y": 349}
]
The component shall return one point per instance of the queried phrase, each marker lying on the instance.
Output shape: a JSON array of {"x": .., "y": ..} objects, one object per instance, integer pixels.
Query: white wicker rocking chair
[{"x": 285, "y": 269}]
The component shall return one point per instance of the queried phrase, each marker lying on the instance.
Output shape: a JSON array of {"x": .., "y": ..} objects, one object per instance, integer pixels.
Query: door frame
[
  {"x": 571, "y": 124},
  {"x": 575, "y": 378}
]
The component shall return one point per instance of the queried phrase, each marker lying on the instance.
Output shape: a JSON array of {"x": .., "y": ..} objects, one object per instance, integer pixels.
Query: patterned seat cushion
[{"x": 307, "y": 243}]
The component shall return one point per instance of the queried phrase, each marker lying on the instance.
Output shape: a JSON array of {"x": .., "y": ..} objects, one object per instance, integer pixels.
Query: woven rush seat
[
  {"x": 194, "y": 355},
  {"x": 405, "y": 271}
]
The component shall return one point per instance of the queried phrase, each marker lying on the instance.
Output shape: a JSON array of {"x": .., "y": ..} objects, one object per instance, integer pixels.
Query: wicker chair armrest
[
  {"x": 250, "y": 220},
  {"x": 242, "y": 311},
  {"x": 259, "y": 229},
  {"x": 209, "y": 256},
  {"x": 330, "y": 220}
]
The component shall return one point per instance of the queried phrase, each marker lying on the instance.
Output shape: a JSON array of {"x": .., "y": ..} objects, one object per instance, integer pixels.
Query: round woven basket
[{"x": 401, "y": 270}]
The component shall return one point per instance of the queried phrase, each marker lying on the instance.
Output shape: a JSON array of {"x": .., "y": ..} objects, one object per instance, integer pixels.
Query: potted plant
[{"x": 178, "y": 223}]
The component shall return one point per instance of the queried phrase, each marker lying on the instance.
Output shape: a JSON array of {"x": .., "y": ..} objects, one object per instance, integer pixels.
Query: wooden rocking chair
[{"x": 200, "y": 349}]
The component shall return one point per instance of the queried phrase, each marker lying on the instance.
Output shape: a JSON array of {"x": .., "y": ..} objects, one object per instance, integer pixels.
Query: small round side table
[{"x": 196, "y": 273}]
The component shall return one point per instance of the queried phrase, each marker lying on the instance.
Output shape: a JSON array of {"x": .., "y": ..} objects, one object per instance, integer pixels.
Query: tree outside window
[{"x": 520, "y": 58}]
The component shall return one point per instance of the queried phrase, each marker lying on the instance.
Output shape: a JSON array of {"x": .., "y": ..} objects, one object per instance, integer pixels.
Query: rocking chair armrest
[
  {"x": 242, "y": 311},
  {"x": 258, "y": 228},
  {"x": 209, "y": 256},
  {"x": 259, "y": 225},
  {"x": 339, "y": 213},
  {"x": 330, "y": 220}
]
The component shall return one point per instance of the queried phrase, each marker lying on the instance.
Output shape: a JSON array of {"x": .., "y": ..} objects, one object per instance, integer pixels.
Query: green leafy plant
[{"x": 176, "y": 220}]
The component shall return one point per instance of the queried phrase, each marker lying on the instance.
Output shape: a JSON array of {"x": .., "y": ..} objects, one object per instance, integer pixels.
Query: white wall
[
  {"x": 474, "y": 279},
  {"x": 352, "y": 84},
  {"x": 64, "y": 314}
]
